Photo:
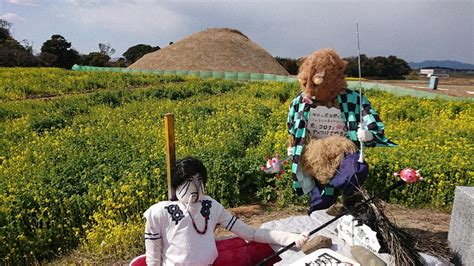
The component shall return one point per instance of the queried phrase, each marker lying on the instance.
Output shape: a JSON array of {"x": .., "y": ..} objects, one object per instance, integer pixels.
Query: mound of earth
[{"x": 219, "y": 49}]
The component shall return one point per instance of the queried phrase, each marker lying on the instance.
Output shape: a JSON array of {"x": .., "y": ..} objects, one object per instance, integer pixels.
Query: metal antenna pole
[{"x": 361, "y": 155}]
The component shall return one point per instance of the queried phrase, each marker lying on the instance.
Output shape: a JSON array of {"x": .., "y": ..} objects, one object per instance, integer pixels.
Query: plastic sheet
[
  {"x": 269, "y": 77},
  {"x": 243, "y": 76},
  {"x": 205, "y": 74},
  {"x": 169, "y": 72},
  {"x": 281, "y": 78},
  {"x": 218, "y": 75},
  {"x": 182, "y": 72},
  {"x": 256, "y": 76},
  {"x": 231, "y": 75},
  {"x": 193, "y": 73}
]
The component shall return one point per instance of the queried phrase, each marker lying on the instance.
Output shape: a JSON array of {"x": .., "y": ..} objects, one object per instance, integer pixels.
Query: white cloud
[
  {"x": 88, "y": 2},
  {"x": 24, "y": 2},
  {"x": 11, "y": 17},
  {"x": 125, "y": 16}
]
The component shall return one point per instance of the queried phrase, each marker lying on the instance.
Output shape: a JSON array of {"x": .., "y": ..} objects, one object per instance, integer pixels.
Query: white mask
[{"x": 191, "y": 190}]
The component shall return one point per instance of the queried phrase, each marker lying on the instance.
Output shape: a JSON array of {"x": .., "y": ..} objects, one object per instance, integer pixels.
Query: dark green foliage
[
  {"x": 11, "y": 57},
  {"x": 377, "y": 67},
  {"x": 95, "y": 59},
  {"x": 57, "y": 52},
  {"x": 4, "y": 30},
  {"x": 291, "y": 65},
  {"x": 12, "y": 53},
  {"x": 136, "y": 52}
]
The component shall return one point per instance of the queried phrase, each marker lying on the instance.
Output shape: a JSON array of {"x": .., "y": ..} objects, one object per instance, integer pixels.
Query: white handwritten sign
[
  {"x": 352, "y": 233},
  {"x": 325, "y": 122},
  {"x": 345, "y": 229},
  {"x": 325, "y": 257},
  {"x": 366, "y": 237}
]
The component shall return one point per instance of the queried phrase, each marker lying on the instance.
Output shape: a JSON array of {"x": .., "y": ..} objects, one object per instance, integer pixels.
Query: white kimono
[
  {"x": 172, "y": 239},
  {"x": 170, "y": 225}
]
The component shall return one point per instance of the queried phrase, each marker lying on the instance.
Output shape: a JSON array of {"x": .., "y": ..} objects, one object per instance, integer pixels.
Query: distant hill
[{"x": 441, "y": 63}]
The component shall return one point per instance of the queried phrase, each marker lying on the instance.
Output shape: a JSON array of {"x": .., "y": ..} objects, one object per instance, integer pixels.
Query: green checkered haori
[{"x": 349, "y": 103}]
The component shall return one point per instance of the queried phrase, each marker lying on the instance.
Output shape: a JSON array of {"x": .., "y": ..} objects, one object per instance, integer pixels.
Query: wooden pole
[{"x": 170, "y": 151}]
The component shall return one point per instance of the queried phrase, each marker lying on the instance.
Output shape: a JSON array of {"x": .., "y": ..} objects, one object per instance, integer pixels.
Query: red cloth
[
  {"x": 139, "y": 261},
  {"x": 236, "y": 251},
  {"x": 232, "y": 251}
]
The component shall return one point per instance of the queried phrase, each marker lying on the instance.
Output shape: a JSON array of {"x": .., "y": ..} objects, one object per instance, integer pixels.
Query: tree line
[
  {"x": 378, "y": 67},
  {"x": 58, "y": 52}
]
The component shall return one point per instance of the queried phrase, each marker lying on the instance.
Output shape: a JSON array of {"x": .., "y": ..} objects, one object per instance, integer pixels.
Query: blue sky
[{"x": 414, "y": 30}]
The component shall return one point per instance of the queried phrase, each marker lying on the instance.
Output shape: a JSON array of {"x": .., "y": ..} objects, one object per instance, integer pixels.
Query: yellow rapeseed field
[{"x": 77, "y": 171}]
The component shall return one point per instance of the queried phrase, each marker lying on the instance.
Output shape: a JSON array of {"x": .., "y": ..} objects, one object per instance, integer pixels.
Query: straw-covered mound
[{"x": 214, "y": 50}]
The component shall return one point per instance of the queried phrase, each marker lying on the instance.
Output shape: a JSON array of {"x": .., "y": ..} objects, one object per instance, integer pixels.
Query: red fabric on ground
[
  {"x": 233, "y": 251},
  {"x": 236, "y": 251}
]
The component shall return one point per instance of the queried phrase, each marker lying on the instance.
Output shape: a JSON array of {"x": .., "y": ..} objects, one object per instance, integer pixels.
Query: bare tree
[{"x": 106, "y": 49}]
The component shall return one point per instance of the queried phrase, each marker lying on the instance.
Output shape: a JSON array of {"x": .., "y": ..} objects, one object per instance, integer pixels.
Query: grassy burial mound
[{"x": 213, "y": 50}]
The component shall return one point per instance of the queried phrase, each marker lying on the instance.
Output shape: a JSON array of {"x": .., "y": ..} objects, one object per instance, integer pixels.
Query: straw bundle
[{"x": 403, "y": 246}]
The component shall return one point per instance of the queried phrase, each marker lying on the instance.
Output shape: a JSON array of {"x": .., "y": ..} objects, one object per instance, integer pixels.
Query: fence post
[{"x": 170, "y": 151}]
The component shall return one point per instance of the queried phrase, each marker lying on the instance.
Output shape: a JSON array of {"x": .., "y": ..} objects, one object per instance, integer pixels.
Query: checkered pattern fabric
[{"x": 349, "y": 103}]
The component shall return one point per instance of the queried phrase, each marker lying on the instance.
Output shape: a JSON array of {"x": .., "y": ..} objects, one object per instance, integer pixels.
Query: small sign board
[
  {"x": 366, "y": 237},
  {"x": 345, "y": 229},
  {"x": 353, "y": 233},
  {"x": 324, "y": 122},
  {"x": 326, "y": 257}
]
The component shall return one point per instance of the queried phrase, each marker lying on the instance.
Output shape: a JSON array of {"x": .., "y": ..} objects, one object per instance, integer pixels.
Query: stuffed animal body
[
  {"x": 327, "y": 122},
  {"x": 321, "y": 78},
  {"x": 322, "y": 157}
]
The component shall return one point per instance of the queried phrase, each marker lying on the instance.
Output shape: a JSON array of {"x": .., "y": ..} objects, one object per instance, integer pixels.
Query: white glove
[
  {"x": 290, "y": 151},
  {"x": 262, "y": 235},
  {"x": 364, "y": 135},
  {"x": 280, "y": 238},
  {"x": 300, "y": 239}
]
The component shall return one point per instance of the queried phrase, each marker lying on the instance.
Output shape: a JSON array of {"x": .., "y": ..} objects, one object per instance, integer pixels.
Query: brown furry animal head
[
  {"x": 322, "y": 75},
  {"x": 321, "y": 157}
]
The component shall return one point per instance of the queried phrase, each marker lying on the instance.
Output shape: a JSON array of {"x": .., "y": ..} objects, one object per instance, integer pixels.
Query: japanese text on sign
[{"x": 325, "y": 122}]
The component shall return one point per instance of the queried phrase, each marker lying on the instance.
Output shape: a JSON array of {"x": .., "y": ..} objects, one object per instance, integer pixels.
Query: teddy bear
[{"x": 327, "y": 127}]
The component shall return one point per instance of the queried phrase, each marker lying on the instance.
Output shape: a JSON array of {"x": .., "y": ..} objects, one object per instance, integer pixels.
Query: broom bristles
[{"x": 401, "y": 245}]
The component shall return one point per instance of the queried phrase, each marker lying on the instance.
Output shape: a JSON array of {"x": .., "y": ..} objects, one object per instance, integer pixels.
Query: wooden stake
[{"x": 170, "y": 151}]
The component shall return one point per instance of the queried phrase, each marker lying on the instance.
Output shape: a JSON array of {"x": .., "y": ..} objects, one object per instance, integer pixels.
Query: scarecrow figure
[
  {"x": 181, "y": 231},
  {"x": 326, "y": 127}
]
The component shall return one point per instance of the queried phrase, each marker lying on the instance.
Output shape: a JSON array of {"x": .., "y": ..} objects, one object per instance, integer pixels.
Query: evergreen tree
[
  {"x": 136, "y": 52},
  {"x": 57, "y": 52},
  {"x": 12, "y": 52},
  {"x": 377, "y": 67}
]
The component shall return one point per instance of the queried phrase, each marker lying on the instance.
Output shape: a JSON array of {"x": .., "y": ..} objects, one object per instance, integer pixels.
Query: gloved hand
[
  {"x": 299, "y": 239},
  {"x": 290, "y": 151},
  {"x": 280, "y": 237},
  {"x": 364, "y": 135}
]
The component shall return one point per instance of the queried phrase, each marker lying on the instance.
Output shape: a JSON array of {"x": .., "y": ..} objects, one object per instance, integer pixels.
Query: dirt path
[
  {"x": 459, "y": 87},
  {"x": 76, "y": 93}
]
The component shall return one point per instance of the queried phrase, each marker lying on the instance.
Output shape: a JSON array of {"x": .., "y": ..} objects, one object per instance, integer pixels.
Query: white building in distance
[{"x": 434, "y": 72}]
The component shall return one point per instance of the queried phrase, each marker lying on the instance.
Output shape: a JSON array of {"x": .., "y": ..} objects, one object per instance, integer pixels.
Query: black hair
[{"x": 186, "y": 168}]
